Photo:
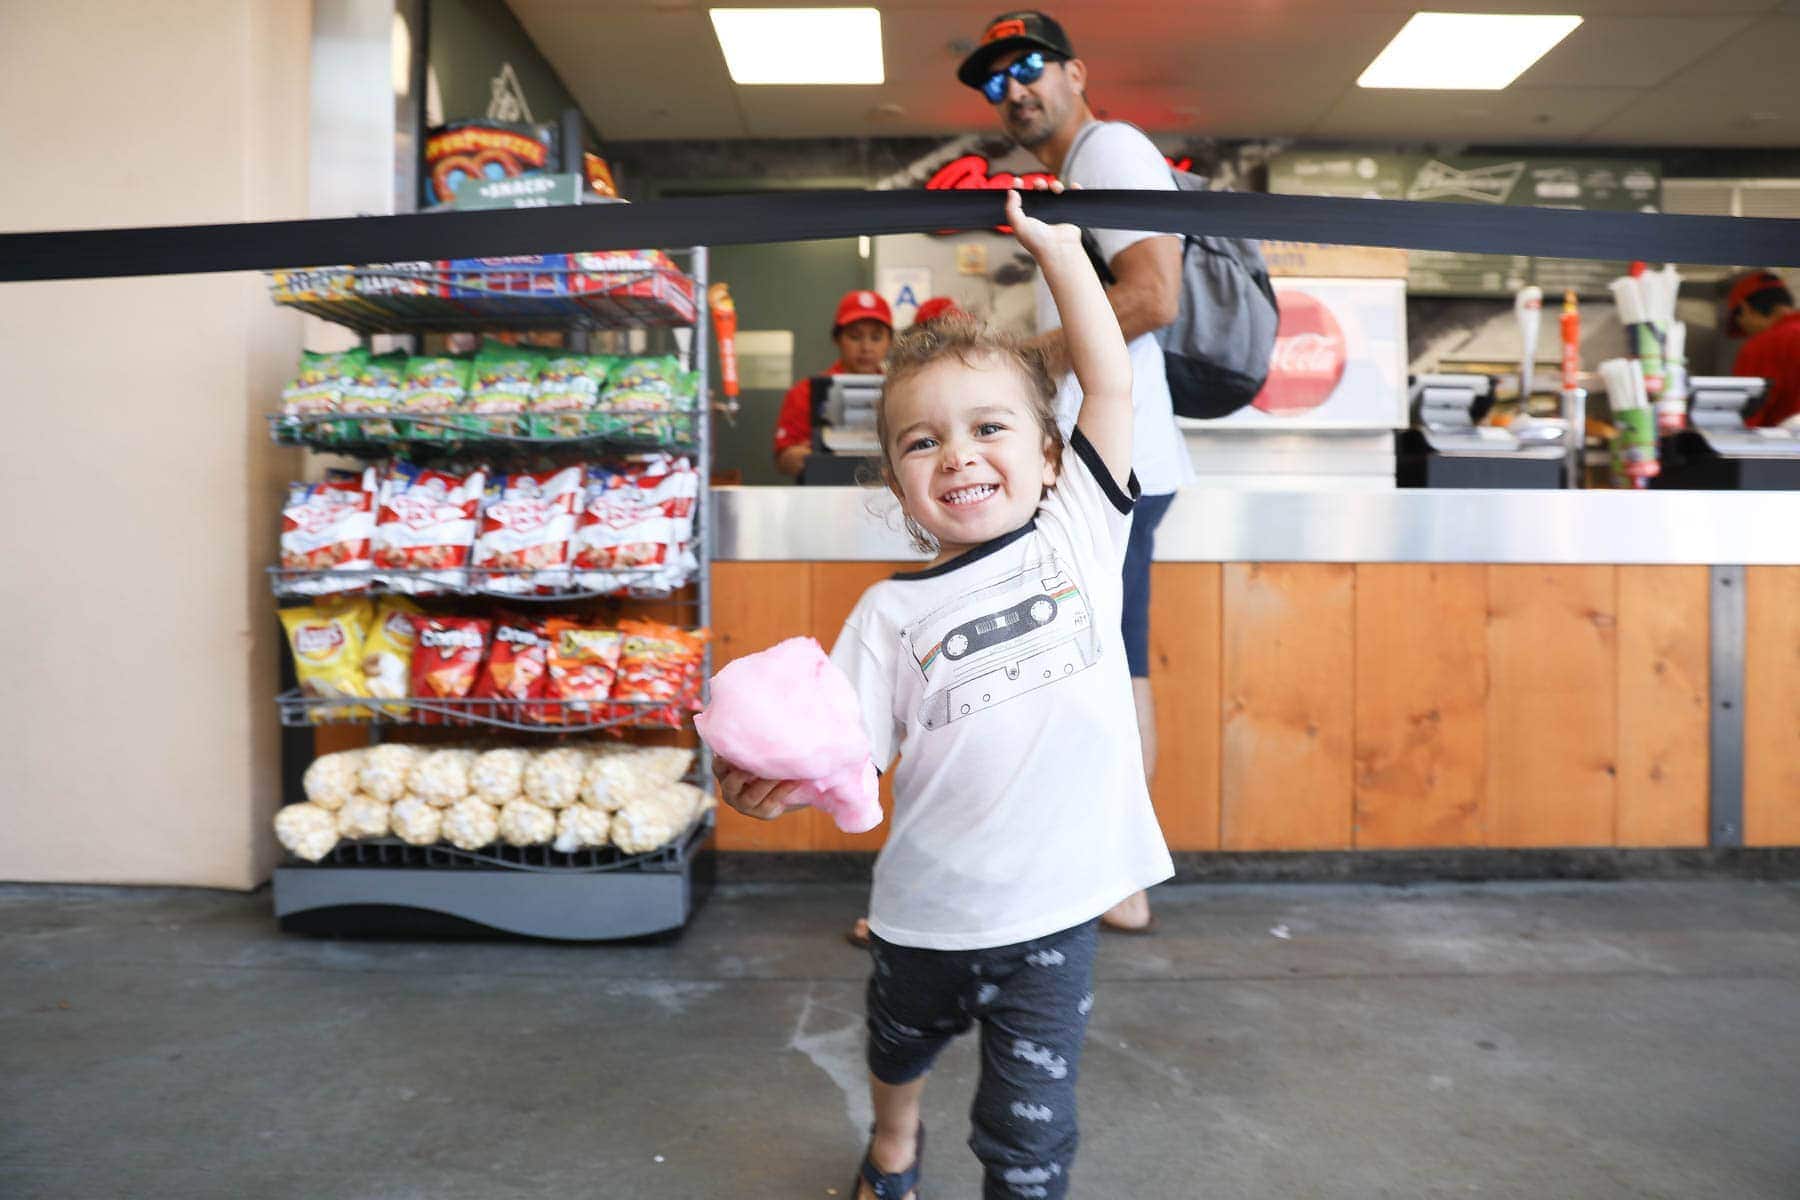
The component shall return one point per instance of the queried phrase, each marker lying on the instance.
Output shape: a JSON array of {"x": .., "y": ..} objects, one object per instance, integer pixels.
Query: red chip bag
[
  {"x": 446, "y": 659},
  {"x": 583, "y": 663},
  {"x": 660, "y": 665},
  {"x": 517, "y": 668},
  {"x": 427, "y": 525},
  {"x": 328, "y": 526},
  {"x": 525, "y": 530}
]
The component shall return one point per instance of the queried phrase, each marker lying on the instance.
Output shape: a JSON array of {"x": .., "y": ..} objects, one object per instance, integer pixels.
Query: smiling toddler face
[{"x": 966, "y": 450}]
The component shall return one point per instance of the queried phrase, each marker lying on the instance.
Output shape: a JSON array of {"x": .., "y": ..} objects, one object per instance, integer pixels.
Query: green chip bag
[
  {"x": 639, "y": 395},
  {"x": 501, "y": 388},
  {"x": 318, "y": 387},
  {"x": 568, "y": 390},
  {"x": 374, "y": 388},
  {"x": 434, "y": 385}
]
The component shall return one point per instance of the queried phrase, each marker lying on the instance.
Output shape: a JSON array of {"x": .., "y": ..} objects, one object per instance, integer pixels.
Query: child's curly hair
[{"x": 968, "y": 340}]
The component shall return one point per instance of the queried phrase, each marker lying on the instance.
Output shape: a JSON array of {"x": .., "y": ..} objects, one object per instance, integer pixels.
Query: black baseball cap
[{"x": 1026, "y": 29}]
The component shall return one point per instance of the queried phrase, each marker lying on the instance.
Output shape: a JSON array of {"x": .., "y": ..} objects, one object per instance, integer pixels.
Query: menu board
[{"x": 1599, "y": 185}]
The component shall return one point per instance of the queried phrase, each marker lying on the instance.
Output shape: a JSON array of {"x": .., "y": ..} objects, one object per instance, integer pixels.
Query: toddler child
[{"x": 998, "y": 675}]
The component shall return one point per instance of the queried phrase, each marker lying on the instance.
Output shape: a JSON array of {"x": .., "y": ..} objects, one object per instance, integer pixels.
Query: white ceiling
[{"x": 1637, "y": 72}]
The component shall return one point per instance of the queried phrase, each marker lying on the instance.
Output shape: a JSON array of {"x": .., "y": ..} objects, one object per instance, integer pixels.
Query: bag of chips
[
  {"x": 525, "y": 529},
  {"x": 647, "y": 400},
  {"x": 636, "y": 527},
  {"x": 446, "y": 660},
  {"x": 374, "y": 388},
  {"x": 434, "y": 386},
  {"x": 326, "y": 640},
  {"x": 329, "y": 526},
  {"x": 568, "y": 389},
  {"x": 517, "y": 668},
  {"x": 500, "y": 392},
  {"x": 388, "y": 651},
  {"x": 425, "y": 528},
  {"x": 318, "y": 387},
  {"x": 659, "y": 673},
  {"x": 583, "y": 662}
]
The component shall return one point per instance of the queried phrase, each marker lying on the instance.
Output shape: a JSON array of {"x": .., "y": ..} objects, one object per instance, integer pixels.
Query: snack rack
[{"x": 384, "y": 886}]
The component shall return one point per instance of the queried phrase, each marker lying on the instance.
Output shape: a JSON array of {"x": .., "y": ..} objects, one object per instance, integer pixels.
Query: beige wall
[{"x": 137, "y": 639}]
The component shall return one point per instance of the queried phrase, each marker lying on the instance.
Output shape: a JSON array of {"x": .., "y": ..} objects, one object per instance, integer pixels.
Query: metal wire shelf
[
  {"x": 399, "y": 299},
  {"x": 299, "y": 710},
  {"x": 391, "y": 852},
  {"x": 378, "y": 581},
  {"x": 345, "y": 433}
]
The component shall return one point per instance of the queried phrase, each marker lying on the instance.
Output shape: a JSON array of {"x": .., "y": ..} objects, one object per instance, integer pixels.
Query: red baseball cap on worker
[
  {"x": 1742, "y": 290},
  {"x": 937, "y": 306},
  {"x": 1026, "y": 29},
  {"x": 861, "y": 306}
]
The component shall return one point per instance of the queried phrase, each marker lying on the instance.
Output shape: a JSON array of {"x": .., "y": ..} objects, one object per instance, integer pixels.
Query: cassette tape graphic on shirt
[{"x": 1027, "y": 630}]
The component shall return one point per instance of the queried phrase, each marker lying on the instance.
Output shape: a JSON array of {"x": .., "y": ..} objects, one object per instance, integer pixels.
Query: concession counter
[{"x": 1399, "y": 669}]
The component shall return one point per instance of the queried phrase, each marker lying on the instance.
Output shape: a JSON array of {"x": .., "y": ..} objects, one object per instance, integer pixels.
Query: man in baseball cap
[
  {"x": 1761, "y": 308},
  {"x": 863, "y": 329},
  {"x": 1025, "y": 67},
  {"x": 937, "y": 306}
]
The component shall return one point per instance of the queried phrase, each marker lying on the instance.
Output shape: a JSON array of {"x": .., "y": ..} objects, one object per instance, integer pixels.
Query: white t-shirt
[
  {"x": 999, "y": 677},
  {"x": 1114, "y": 155}
]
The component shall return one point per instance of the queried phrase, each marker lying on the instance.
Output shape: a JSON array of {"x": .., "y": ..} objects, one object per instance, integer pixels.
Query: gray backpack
[{"x": 1217, "y": 349}]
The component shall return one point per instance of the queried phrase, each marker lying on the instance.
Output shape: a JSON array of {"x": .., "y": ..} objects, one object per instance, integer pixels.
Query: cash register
[
  {"x": 845, "y": 450},
  {"x": 1719, "y": 451},
  {"x": 1448, "y": 447}
]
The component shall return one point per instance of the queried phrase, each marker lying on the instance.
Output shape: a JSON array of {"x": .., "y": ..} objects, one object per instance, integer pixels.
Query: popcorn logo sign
[
  {"x": 1308, "y": 360},
  {"x": 523, "y": 514}
]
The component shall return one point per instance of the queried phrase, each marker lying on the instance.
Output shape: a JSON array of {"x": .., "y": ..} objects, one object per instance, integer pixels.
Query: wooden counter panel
[
  {"x": 1663, "y": 689},
  {"x": 1552, "y": 718},
  {"x": 756, "y": 605},
  {"x": 1184, "y": 679},
  {"x": 1287, "y": 679},
  {"x": 1421, "y": 695},
  {"x": 1772, "y": 706}
]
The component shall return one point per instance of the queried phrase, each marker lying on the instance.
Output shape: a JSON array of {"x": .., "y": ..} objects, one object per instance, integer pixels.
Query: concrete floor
[{"x": 1584, "y": 1041}]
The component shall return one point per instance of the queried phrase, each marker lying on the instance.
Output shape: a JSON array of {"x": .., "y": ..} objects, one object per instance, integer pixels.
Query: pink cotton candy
[{"x": 788, "y": 713}]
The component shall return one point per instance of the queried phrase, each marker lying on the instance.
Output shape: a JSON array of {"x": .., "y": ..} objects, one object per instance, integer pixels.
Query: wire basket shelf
[
  {"x": 306, "y": 583},
  {"x": 377, "y": 434},
  {"x": 392, "y": 853},
  {"x": 538, "y": 715},
  {"x": 433, "y": 299}
]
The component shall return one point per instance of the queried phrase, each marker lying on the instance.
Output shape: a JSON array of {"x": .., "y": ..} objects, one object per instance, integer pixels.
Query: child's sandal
[{"x": 897, "y": 1186}]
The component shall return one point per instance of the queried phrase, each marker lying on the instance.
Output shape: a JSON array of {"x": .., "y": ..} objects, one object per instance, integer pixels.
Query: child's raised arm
[{"x": 1096, "y": 347}]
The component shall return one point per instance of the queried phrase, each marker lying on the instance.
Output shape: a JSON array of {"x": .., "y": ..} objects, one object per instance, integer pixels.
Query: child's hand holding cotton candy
[{"x": 787, "y": 713}]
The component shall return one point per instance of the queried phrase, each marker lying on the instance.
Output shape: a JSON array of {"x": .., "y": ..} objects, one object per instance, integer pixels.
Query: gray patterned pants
[{"x": 1032, "y": 1001}]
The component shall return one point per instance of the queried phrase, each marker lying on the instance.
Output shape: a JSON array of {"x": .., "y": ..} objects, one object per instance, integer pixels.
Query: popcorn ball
[
  {"x": 497, "y": 776},
  {"x": 470, "y": 824},
  {"x": 553, "y": 778},
  {"x": 306, "y": 830},
  {"x": 631, "y": 770},
  {"x": 526, "y": 823},
  {"x": 579, "y": 827},
  {"x": 363, "y": 817},
  {"x": 656, "y": 818},
  {"x": 332, "y": 779},
  {"x": 441, "y": 777},
  {"x": 415, "y": 821},
  {"x": 385, "y": 770}
]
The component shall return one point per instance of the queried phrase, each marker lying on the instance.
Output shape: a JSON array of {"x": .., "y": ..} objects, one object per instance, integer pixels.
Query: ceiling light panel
[
  {"x": 1464, "y": 51},
  {"x": 801, "y": 45}
]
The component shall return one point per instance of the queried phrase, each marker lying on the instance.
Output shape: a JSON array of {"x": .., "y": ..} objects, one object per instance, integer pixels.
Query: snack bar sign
[{"x": 522, "y": 191}]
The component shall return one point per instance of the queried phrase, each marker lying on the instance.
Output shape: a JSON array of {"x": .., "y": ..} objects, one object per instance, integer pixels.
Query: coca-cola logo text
[{"x": 1308, "y": 359}]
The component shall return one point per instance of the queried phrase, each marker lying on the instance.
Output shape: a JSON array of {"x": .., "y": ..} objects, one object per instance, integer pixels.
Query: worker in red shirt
[
  {"x": 863, "y": 331},
  {"x": 1761, "y": 308}
]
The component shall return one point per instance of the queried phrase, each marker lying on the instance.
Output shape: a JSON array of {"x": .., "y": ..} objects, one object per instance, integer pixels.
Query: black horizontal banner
[{"x": 800, "y": 216}]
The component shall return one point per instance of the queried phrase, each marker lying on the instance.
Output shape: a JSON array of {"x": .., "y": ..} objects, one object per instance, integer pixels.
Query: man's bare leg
[
  {"x": 1133, "y": 912},
  {"x": 896, "y": 1142}
]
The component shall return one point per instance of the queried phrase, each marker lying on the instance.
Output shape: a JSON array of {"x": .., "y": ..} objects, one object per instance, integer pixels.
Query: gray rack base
[{"x": 576, "y": 906}]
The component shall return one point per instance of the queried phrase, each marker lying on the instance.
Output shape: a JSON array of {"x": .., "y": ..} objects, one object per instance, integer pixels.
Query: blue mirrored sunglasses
[{"x": 1027, "y": 70}]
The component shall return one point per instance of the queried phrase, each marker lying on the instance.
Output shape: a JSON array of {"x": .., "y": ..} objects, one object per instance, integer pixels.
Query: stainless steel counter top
[{"x": 777, "y": 524}]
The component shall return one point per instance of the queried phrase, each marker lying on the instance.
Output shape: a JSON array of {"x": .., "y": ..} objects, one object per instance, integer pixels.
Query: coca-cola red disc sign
[{"x": 1308, "y": 360}]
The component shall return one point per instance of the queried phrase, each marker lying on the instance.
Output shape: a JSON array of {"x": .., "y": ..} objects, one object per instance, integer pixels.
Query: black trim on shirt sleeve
[{"x": 1121, "y": 500}]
